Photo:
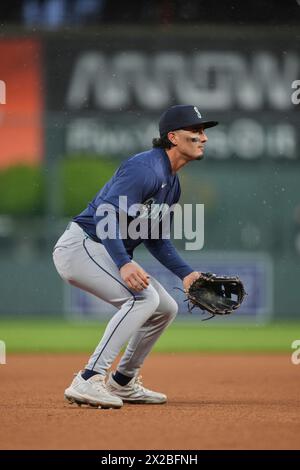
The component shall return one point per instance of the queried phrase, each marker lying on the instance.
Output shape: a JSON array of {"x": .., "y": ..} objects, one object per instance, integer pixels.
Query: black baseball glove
[{"x": 218, "y": 295}]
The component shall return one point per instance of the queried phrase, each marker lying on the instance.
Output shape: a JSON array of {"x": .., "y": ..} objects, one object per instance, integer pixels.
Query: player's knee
[
  {"x": 172, "y": 309},
  {"x": 150, "y": 298},
  {"x": 154, "y": 300}
]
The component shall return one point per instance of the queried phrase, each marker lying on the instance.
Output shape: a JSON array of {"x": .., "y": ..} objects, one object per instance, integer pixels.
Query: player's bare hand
[
  {"x": 187, "y": 281},
  {"x": 134, "y": 276}
]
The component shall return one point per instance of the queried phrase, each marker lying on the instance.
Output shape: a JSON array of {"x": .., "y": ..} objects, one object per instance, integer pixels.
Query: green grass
[{"x": 62, "y": 336}]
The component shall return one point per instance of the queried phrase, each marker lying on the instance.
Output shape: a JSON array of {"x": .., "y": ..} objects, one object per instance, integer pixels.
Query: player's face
[{"x": 190, "y": 142}]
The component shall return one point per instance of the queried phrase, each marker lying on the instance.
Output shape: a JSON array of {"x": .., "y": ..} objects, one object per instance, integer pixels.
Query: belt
[{"x": 87, "y": 234}]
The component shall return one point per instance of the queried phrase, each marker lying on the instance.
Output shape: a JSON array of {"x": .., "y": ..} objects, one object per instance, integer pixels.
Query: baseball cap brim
[
  {"x": 204, "y": 124},
  {"x": 210, "y": 124}
]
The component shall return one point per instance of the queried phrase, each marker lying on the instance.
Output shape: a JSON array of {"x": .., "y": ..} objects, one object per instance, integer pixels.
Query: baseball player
[{"x": 103, "y": 265}]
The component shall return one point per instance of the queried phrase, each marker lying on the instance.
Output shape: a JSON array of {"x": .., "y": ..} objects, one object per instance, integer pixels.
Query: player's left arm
[{"x": 165, "y": 252}]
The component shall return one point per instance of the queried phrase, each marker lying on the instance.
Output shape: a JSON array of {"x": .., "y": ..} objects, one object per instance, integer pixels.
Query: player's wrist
[
  {"x": 190, "y": 278},
  {"x": 124, "y": 263},
  {"x": 192, "y": 274}
]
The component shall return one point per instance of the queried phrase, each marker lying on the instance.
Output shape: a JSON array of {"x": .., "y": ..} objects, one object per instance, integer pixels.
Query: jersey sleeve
[
  {"x": 136, "y": 183},
  {"x": 165, "y": 252},
  {"x": 112, "y": 241}
]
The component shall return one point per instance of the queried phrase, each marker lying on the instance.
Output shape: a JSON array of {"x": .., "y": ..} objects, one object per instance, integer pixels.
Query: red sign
[{"x": 21, "y": 102}]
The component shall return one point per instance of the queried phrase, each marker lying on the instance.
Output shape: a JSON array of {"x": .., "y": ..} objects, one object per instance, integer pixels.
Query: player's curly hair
[{"x": 162, "y": 142}]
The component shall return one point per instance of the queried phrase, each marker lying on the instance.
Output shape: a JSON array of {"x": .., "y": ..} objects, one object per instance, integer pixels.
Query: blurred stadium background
[{"x": 82, "y": 84}]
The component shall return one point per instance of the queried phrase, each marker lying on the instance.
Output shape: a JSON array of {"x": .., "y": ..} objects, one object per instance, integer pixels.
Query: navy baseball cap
[{"x": 180, "y": 116}]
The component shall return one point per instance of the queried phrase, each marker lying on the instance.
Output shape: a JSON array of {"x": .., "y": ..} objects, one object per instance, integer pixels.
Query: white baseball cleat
[
  {"x": 134, "y": 392},
  {"x": 91, "y": 392}
]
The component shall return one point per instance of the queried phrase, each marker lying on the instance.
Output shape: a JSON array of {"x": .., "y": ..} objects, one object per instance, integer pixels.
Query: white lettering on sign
[{"x": 215, "y": 80}]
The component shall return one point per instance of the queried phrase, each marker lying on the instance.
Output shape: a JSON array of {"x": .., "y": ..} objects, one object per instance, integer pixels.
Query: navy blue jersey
[{"x": 146, "y": 179}]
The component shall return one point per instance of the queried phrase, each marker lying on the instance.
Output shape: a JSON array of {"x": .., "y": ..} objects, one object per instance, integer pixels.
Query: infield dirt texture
[{"x": 228, "y": 401}]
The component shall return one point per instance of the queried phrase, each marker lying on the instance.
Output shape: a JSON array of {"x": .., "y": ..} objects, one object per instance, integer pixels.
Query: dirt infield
[{"x": 215, "y": 402}]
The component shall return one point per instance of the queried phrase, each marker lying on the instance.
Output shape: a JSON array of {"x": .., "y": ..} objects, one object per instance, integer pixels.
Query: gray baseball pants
[{"x": 141, "y": 317}]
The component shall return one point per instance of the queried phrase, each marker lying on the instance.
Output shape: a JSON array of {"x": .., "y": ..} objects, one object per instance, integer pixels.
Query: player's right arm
[
  {"x": 165, "y": 252},
  {"x": 137, "y": 183},
  {"x": 134, "y": 277}
]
